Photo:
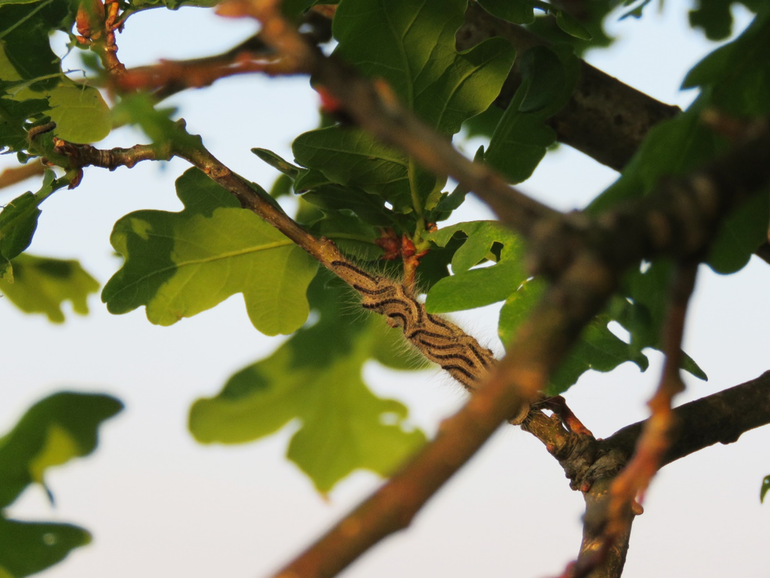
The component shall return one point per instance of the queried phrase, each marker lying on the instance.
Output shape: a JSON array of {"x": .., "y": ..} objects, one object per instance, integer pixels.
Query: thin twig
[
  {"x": 13, "y": 175},
  {"x": 375, "y": 108},
  {"x": 631, "y": 484}
]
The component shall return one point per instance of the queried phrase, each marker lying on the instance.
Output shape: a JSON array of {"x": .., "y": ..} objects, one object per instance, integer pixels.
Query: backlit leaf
[
  {"x": 43, "y": 284},
  {"x": 54, "y": 431},
  {"x": 475, "y": 287},
  {"x": 315, "y": 377},
  {"x": 179, "y": 264},
  {"x": 597, "y": 347}
]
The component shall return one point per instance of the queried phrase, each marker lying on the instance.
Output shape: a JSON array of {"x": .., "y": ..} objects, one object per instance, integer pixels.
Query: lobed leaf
[
  {"x": 597, "y": 347},
  {"x": 315, "y": 377},
  {"x": 179, "y": 264},
  {"x": 54, "y": 431},
  {"x": 469, "y": 288},
  {"x": 43, "y": 284}
]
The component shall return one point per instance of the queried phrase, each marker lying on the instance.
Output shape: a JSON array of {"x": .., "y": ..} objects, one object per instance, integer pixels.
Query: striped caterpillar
[{"x": 438, "y": 339}]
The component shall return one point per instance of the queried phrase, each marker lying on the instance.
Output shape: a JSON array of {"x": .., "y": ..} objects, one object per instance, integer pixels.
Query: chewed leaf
[
  {"x": 597, "y": 348},
  {"x": 469, "y": 288},
  {"x": 315, "y": 377},
  {"x": 179, "y": 264}
]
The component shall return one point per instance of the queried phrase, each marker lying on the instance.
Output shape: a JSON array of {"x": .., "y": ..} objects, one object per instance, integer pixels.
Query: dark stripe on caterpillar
[
  {"x": 484, "y": 359},
  {"x": 462, "y": 370},
  {"x": 439, "y": 321},
  {"x": 437, "y": 346},
  {"x": 355, "y": 269},
  {"x": 371, "y": 291},
  {"x": 464, "y": 358},
  {"x": 383, "y": 303},
  {"x": 427, "y": 333},
  {"x": 418, "y": 307},
  {"x": 402, "y": 317}
]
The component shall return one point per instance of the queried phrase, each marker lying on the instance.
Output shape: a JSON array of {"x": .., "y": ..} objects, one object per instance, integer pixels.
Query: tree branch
[
  {"x": 605, "y": 118},
  {"x": 13, "y": 175},
  {"x": 592, "y": 465}
]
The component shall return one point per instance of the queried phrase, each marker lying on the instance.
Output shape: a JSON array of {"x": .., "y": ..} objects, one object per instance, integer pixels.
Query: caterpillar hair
[{"x": 438, "y": 339}]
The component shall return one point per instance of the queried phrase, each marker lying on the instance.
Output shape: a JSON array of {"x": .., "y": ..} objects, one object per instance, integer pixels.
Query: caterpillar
[{"x": 438, "y": 339}]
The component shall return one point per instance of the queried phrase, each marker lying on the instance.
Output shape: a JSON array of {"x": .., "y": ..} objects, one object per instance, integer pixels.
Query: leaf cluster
[{"x": 359, "y": 193}]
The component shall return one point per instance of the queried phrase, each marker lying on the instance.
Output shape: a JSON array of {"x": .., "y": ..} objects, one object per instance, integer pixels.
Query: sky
[{"x": 159, "y": 504}]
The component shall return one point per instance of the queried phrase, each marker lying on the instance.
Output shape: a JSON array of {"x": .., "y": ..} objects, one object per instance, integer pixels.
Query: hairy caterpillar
[{"x": 438, "y": 339}]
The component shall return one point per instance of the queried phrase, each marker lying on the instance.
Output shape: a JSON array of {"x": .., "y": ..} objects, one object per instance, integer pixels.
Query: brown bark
[{"x": 605, "y": 118}]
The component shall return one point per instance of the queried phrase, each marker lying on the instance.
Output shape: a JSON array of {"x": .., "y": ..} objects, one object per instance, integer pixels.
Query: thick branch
[
  {"x": 605, "y": 118},
  {"x": 719, "y": 418}
]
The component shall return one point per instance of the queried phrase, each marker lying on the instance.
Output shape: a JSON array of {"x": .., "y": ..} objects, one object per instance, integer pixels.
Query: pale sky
[{"x": 159, "y": 504}]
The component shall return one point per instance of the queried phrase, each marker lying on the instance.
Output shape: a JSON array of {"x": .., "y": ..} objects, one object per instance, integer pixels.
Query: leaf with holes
[
  {"x": 471, "y": 287},
  {"x": 597, "y": 348},
  {"x": 179, "y": 264}
]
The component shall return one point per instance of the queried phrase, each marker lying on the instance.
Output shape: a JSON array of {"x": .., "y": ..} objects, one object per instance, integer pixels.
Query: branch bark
[
  {"x": 605, "y": 118},
  {"x": 592, "y": 465}
]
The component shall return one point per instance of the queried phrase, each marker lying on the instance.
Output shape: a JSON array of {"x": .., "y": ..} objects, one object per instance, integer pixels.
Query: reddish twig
[
  {"x": 13, "y": 175},
  {"x": 96, "y": 23},
  {"x": 626, "y": 492}
]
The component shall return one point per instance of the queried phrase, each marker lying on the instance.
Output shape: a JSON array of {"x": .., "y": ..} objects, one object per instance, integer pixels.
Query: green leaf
[
  {"x": 597, "y": 347},
  {"x": 354, "y": 158},
  {"x": 350, "y": 234},
  {"x": 30, "y": 547},
  {"x": 43, "y": 284},
  {"x": 671, "y": 148},
  {"x": 715, "y": 17},
  {"x": 644, "y": 310},
  {"x": 18, "y": 222},
  {"x": 412, "y": 48},
  {"x": 736, "y": 77},
  {"x": 675, "y": 148},
  {"x": 179, "y": 264},
  {"x": 80, "y": 113},
  {"x": 277, "y": 162},
  {"x": 469, "y": 288},
  {"x": 52, "y": 432},
  {"x": 572, "y": 25},
  {"x": 329, "y": 196},
  {"x": 315, "y": 377},
  {"x": 763, "y": 490},
  {"x": 516, "y": 11},
  {"x": 521, "y": 138}
]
